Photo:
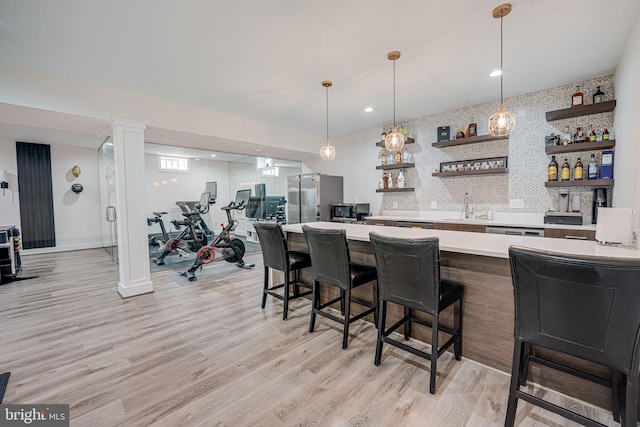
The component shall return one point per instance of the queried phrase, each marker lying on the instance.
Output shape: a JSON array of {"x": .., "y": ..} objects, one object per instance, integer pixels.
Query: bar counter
[{"x": 480, "y": 262}]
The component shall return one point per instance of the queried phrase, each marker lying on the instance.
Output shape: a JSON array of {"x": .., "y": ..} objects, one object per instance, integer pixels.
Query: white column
[{"x": 131, "y": 205}]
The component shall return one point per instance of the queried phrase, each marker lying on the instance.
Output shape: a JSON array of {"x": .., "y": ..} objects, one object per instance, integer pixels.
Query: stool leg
[
  {"x": 407, "y": 322},
  {"x": 315, "y": 303},
  {"x": 296, "y": 287},
  {"x": 457, "y": 326},
  {"x": 375, "y": 303},
  {"x": 347, "y": 314},
  {"x": 381, "y": 325},
  {"x": 285, "y": 311},
  {"x": 630, "y": 405},
  {"x": 512, "y": 404},
  {"x": 434, "y": 354},
  {"x": 266, "y": 286},
  {"x": 524, "y": 363},
  {"x": 342, "y": 301}
]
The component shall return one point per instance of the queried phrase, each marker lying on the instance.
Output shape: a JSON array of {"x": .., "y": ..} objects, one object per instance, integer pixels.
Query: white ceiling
[{"x": 265, "y": 60}]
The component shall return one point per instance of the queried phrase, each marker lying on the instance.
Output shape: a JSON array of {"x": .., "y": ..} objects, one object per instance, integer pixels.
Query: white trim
[{"x": 65, "y": 248}]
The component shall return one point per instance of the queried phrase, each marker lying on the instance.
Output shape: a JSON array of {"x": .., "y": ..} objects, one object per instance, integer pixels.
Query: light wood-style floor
[{"x": 205, "y": 354}]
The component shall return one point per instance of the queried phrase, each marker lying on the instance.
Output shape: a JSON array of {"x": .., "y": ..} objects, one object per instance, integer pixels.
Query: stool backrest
[
  {"x": 408, "y": 271},
  {"x": 274, "y": 245},
  {"x": 585, "y": 306},
  {"x": 329, "y": 252}
]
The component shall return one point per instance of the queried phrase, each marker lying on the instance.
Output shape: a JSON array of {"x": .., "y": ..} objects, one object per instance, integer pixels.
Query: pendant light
[
  {"x": 502, "y": 122},
  {"x": 327, "y": 152},
  {"x": 394, "y": 140}
]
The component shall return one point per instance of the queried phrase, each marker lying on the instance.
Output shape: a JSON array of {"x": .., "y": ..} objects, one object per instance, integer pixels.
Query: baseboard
[{"x": 65, "y": 248}]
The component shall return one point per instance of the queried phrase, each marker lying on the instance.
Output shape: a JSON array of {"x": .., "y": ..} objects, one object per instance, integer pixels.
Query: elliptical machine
[{"x": 231, "y": 250}]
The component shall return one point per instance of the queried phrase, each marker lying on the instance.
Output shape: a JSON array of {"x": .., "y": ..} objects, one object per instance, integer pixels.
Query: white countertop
[
  {"x": 499, "y": 219},
  {"x": 493, "y": 245}
]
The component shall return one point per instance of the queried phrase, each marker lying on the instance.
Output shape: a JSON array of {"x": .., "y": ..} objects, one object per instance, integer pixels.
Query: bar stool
[
  {"x": 277, "y": 256},
  {"x": 583, "y": 306},
  {"x": 409, "y": 275},
  {"x": 332, "y": 265}
]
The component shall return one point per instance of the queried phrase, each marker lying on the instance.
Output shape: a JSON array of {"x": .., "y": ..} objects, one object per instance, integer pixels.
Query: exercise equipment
[
  {"x": 224, "y": 246},
  {"x": 193, "y": 235},
  {"x": 157, "y": 219}
]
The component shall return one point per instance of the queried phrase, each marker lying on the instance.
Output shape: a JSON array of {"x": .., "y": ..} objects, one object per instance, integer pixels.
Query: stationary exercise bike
[
  {"x": 192, "y": 236},
  {"x": 153, "y": 240},
  {"x": 229, "y": 249}
]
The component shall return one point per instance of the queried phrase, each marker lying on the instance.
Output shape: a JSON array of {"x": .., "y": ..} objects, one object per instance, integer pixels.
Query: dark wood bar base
[{"x": 488, "y": 319}]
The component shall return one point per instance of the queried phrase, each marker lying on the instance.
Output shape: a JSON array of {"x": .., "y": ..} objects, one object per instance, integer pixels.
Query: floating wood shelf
[
  {"x": 470, "y": 140},
  {"x": 394, "y": 190},
  {"x": 583, "y": 183},
  {"x": 582, "y": 110},
  {"x": 406, "y": 141},
  {"x": 396, "y": 166},
  {"x": 584, "y": 146},
  {"x": 475, "y": 172}
]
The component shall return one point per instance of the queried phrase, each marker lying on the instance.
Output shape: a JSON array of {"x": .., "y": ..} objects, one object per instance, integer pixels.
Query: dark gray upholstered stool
[
  {"x": 587, "y": 307},
  {"x": 331, "y": 264},
  {"x": 277, "y": 256},
  {"x": 409, "y": 275}
]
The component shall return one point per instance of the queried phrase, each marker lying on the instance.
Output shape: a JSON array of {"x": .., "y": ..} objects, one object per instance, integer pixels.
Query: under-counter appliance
[
  {"x": 417, "y": 225},
  {"x": 311, "y": 195},
  {"x": 516, "y": 231},
  {"x": 349, "y": 211}
]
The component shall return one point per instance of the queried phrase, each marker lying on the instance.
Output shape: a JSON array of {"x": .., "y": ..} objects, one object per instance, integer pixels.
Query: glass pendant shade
[
  {"x": 502, "y": 122},
  {"x": 394, "y": 141},
  {"x": 327, "y": 152}
]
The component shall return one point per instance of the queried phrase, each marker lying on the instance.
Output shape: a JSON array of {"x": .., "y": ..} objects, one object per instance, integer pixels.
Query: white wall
[
  {"x": 77, "y": 216},
  {"x": 627, "y": 123}
]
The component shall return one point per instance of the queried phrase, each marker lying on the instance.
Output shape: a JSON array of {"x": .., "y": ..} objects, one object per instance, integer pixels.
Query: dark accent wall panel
[{"x": 36, "y": 195}]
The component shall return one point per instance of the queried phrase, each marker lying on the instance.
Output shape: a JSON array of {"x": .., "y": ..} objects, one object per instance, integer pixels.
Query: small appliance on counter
[
  {"x": 349, "y": 212},
  {"x": 599, "y": 201},
  {"x": 615, "y": 226},
  {"x": 562, "y": 214}
]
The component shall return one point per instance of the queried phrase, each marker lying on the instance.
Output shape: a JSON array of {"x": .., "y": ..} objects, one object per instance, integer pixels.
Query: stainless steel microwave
[{"x": 356, "y": 211}]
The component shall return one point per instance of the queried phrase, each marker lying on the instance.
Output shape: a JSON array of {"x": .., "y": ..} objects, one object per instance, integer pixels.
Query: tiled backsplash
[{"x": 527, "y": 161}]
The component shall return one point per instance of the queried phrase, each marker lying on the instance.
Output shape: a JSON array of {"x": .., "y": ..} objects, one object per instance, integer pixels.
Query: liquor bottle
[
  {"x": 460, "y": 133},
  {"x": 578, "y": 137},
  {"x": 385, "y": 181},
  {"x": 553, "y": 169},
  {"x": 473, "y": 128},
  {"x": 577, "y": 98},
  {"x": 383, "y": 135},
  {"x": 398, "y": 157},
  {"x": 605, "y": 134},
  {"x": 598, "y": 96},
  {"x": 406, "y": 156},
  {"x": 592, "y": 168},
  {"x": 566, "y": 171},
  {"x": 578, "y": 171},
  {"x": 401, "y": 182},
  {"x": 383, "y": 158},
  {"x": 592, "y": 136},
  {"x": 381, "y": 182},
  {"x": 566, "y": 137}
]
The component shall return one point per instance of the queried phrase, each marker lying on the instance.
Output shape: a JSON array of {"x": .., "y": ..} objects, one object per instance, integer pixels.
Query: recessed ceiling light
[
  {"x": 213, "y": 155},
  {"x": 197, "y": 159},
  {"x": 258, "y": 150},
  {"x": 495, "y": 73},
  {"x": 368, "y": 109}
]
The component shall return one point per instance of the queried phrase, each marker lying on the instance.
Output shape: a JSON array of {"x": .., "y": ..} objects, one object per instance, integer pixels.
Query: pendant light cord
[
  {"x": 501, "y": 68},
  {"x": 394, "y": 93},
  {"x": 327, "y": 114}
]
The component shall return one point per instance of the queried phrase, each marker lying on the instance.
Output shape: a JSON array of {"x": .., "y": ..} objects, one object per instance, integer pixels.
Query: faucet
[{"x": 465, "y": 209}]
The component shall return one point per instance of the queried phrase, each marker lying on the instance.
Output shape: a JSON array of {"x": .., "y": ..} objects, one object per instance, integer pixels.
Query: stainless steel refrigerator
[{"x": 310, "y": 197}]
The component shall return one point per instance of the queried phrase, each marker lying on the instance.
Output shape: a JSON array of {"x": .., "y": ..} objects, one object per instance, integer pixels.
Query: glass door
[{"x": 106, "y": 164}]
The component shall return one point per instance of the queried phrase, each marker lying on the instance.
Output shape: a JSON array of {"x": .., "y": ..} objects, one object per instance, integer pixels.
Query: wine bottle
[
  {"x": 566, "y": 171},
  {"x": 553, "y": 169},
  {"x": 592, "y": 168},
  {"x": 598, "y": 96},
  {"x": 578, "y": 171},
  {"x": 577, "y": 98}
]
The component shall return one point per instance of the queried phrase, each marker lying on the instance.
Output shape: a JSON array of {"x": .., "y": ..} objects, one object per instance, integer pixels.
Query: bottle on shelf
[
  {"x": 401, "y": 181},
  {"x": 381, "y": 182},
  {"x": 598, "y": 96},
  {"x": 553, "y": 169},
  {"x": 405, "y": 128},
  {"x": 566, "y": 170},
  {"x": 578, "y": 137},
  {"x": 385, "y": 181},
  {"x": 592, "y": 168},
  {"x": 383, "y": 158},
  {"x": 406, "y": 156},
  {"x": 398, "y": 157},
  {"x": 460, "y": 133},
  {"x": 566, "y": 137},
  {"x": 578, "y": 170},
  {"x": 577, "y": 98},
  {"x": 592, "y": 136},
  {"x": 473, "y": 128},
  {"x": 605, "y": 134}
]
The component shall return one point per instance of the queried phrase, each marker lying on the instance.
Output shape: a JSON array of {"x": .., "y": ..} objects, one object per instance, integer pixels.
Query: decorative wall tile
[{"x": 527, "y": 161}]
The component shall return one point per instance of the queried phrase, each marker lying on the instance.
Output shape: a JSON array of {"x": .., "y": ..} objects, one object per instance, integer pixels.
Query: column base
[{"x": 134, "y": 289}]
